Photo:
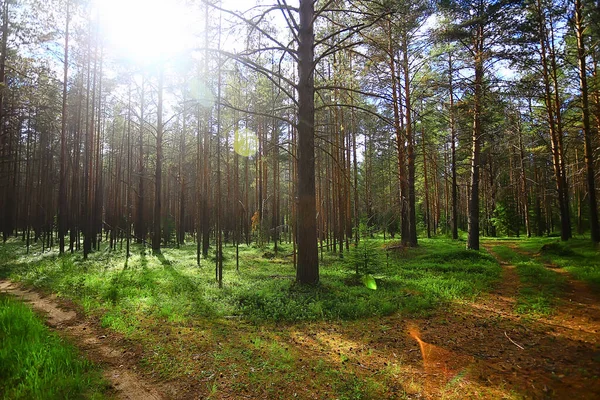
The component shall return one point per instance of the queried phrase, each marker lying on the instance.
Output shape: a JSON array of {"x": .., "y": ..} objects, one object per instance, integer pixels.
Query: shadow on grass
[{"x": 163, "y": 260}]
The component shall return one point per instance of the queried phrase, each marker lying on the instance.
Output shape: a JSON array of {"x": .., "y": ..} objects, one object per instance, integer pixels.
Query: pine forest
[{"x": 321, "y": 199}]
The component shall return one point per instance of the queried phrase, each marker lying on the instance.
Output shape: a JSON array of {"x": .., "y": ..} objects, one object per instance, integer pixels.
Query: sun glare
[{"x": 146, "y": 31}]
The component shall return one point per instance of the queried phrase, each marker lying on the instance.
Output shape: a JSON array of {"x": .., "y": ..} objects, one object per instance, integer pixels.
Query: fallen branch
[{"x": 513, "y": 342}]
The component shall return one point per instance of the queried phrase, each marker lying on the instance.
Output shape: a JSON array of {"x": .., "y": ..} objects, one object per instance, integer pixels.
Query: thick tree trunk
[
  {"x": 156, "y": 234},
  {"x": 89, "y": 154},
  {"x": 426, "y": 183},
  {"x": 307, "y": 271},
  {"x": 555, "y": 129},
  {"x": 473, "y": 214},
  {"x": 410, "y": 150},
  {"x": 62, "y": 190},
  {"x": 523, "y": 176},
  {"x": 400, "y": 146},
  {"x": 128, "y": 195},
  {"x": 140, "y": 223},
  {"x": 181, "y": 217},
  {"x": 565, "y": 219},
  {"x": 219, "y": 238},
  {"x": 453, "y": 151},
  {"x": 587, "y": 133},
  {"x": 5, "y": 213}
]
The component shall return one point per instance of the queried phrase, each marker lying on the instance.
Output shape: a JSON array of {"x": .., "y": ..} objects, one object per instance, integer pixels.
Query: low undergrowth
[
  {"x": 579, "y": 256},
  {"x": 171, "y": 286},
  {"x": 252, "y": 336},
  {"x": 36, "y": 364}
]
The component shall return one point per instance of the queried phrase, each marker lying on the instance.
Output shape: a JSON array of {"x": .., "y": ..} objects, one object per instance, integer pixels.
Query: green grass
[
  {"x": 171, "y": 287},
  {"x": 579, "y": 256},
  {"x": 36, "y": 364},
  {"x": 243, "y": 332},
  {"x": 509, "y": 255},
  {"x": 540, "y": 288},
  {"x": 539, "y": 284}
]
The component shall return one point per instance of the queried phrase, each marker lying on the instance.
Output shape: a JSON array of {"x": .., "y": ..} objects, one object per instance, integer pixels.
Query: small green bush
[{"x": 557, "y": 249}]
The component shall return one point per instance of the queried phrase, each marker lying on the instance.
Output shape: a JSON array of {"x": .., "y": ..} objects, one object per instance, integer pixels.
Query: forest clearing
[
  {"x": 318, "y": 199},
  {"x": 444, "y": 322}
]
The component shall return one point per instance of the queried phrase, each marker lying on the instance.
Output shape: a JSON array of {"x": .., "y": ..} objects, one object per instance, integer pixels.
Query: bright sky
[{"x": 145, "y": 31}]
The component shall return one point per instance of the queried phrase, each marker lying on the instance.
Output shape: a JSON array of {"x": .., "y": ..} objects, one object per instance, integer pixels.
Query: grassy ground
[
  {"x": 256, "y": 331},
  {"x": 539, "y": 285},
  {"x": 261, "y": 331},
  {"x": 36, "y": 364},
  {"x": 171, "y": 286},
  {"x": 579, "y": 256}
]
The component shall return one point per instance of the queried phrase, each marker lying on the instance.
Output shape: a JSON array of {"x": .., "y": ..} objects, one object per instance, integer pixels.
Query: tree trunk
[
  {"x": 587, "y": 133},
  {"x": 62, "y": 190},
  {"x": 410, "y": 150},
  {"x": 5, "y": 212},
  {"x": 523, "y": 176},
  {"x": 158, "y": 172},
  {"x": 307, "y": 271},
  {"x": 426, "y": 183},
  {"x": 473, "y": 214},
  {"x": 453, "y": 152}
]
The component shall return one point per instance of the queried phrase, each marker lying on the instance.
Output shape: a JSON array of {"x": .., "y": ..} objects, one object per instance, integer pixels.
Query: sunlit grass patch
[
  {"x": 36, "y": 364},
  {"x": 172, "y": 287},
  {"x": 509, "y": 255},
  {"x": 239, "y": 336},
  {"x": 540, "y": 288},
  {"x": 579, "y": 256}
]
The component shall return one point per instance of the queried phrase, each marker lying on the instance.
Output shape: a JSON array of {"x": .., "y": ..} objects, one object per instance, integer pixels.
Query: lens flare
[{"x": 245, "y": 142}]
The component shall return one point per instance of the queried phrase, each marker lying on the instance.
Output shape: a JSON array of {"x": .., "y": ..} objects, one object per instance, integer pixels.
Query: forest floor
[
  {"x": 533, "y": 332},
  {"x": 96, "y": 344}
]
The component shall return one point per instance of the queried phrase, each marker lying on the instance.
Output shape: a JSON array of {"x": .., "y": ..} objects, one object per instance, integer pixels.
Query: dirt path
[
  {"x": 579, "y": 307},
  {"x": 485, "y": 349},
  {"x": 99, "y": 346},
  {"x": 577, "y": 312},
  {"x": 562, "y": 350},
  {"x": 478, "y": 349}
]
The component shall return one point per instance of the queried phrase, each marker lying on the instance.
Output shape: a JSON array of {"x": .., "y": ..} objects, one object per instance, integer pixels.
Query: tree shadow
[{"x": 163, "y": 260}]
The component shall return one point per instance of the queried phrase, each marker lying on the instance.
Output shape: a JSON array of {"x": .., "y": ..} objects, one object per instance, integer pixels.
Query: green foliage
[
  {"x": 506, "y": 218},
  {"x": 171, "y": 287},
  {"x": 36, "y": 364},
  {"x": 366, "y": 256},
  {"x": 556, "y": 249}
]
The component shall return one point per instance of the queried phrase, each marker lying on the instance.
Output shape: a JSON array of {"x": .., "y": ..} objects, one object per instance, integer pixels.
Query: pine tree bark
[
  {"x": 523, "y": 176},
  {"x": 62, "y": 190},
  {"x": 585, "y": 111},
  {"x": 156, "y": 234},
  {"x": 473, "y": 211},
  {"x": 554, "y": 125},
  {"x": 307, "y": 271},
  {"x": 410, "y": 149},
  {"x": 453, "y": 151},
  {"x": 5, "y": 213}
]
